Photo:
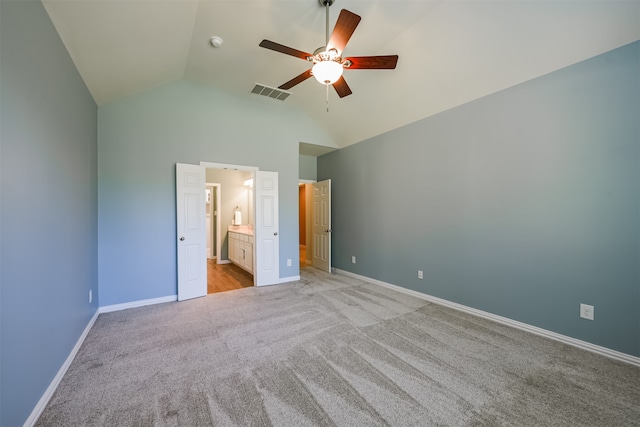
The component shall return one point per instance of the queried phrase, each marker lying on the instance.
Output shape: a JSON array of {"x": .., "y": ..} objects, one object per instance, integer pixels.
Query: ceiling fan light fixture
[
  {"x": 328, "y": 64},
  {"x": 327, "y": 72}
]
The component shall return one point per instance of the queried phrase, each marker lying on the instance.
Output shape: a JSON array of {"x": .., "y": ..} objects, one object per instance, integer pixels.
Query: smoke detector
[{"x": 216, "y": 41}]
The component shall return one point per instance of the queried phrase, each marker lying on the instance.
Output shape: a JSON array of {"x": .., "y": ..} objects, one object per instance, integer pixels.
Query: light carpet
[{"x": 331, "y": 350}]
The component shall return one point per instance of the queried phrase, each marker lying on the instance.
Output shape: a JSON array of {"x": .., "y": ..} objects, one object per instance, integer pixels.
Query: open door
[
  {"x": 267, "y": 240},
  {"x": 321, "y": 257},
  {"x": 191, "y": 226}
]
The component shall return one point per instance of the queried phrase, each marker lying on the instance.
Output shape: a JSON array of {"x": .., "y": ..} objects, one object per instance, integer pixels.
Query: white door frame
[
  {"x": 213, "y": 165},
  {"x": 218, "y": 242},
  {"x": 308, "y": 218}
]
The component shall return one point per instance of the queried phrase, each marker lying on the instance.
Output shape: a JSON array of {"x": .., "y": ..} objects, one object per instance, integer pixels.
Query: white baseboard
[
  {"x": 604, "y": 351},
  {"x": 48, "y": 393},
  {"x": 140, "y": 303},
  {"x": 224, "y": 261},
  {"x": 289, "y": 279},
  {"x": 284, "y": 280}
]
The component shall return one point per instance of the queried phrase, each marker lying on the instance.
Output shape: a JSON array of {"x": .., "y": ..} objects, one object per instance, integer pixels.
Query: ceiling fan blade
[
  {"x": 387, "y": 62},
  {"x": 297, "y": 79},
  {"x": 267, "y": 44},
  {"x": 345, "y": 26},
  {"x": 341, "y": 87}
]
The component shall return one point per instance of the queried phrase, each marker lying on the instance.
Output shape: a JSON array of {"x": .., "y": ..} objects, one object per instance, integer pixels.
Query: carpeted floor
[{"x": 331, "y": 350}]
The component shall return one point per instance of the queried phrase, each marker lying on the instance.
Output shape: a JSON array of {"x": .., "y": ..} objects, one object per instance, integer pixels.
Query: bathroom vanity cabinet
[{"x": 241, "y": 248}]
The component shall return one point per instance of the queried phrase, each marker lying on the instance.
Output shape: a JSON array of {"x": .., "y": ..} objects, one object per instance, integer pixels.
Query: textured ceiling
[{"x": 451, "y": 51}]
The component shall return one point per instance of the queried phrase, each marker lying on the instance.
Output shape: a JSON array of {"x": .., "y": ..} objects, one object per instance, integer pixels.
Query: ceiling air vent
[{"x": 270, "y": 92}]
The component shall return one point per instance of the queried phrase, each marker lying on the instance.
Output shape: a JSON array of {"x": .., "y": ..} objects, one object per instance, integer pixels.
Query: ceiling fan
[{"x": 328, "y": 63}]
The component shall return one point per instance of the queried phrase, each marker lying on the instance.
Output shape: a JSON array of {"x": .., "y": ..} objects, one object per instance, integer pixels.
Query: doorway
[
  {"x": 232, "y": 208},
  {"x": 304, "y": 222},
  {"x": 221, "y": 276},
  {"x": 314, "y": 216},
  {"x": 260, "y": 250}
]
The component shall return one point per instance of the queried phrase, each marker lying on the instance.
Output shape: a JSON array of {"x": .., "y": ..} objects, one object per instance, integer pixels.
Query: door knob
[
  {"x": 328, "y": 230},
  {"x": 275, "y": 234},
  {"x": 182, "y": 239}
]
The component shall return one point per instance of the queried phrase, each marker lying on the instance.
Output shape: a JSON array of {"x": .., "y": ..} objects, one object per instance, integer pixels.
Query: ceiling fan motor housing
[{"x": 325, "y": 3}]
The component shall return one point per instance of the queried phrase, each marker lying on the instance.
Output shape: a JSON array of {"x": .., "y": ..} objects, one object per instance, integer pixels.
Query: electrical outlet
[
  {"x": 353, "y": 260},
  {"x": 90, "y": 296},
  {"x": 289, "y": 262},
  {"x": 420, "y": 275},
  {"x": 586, "y": 311}
]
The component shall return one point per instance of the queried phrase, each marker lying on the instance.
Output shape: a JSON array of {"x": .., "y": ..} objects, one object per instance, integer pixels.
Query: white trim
[
  {"x": 282, "y": 280},
  {"x": 225, "y": 261},
  {"x": 218, "y": 222},
  {"x": 139, "y": 303},
  {"x": 212, "y": 165},
  {"x": 288, "y": 279},
  {"x": 306, "y": 181},
  {"x": 48, "y": 393},
  {"x": 218, "y": 241},
  {"x": 584, "y": 345}
]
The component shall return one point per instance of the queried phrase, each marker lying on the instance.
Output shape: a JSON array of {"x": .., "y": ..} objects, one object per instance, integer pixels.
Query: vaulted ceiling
[{"x": 450, "y": 51}]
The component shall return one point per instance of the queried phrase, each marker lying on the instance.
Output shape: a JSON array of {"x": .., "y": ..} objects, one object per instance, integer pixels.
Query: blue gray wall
[
  {"x": 524, "y": 203},
  {"x": 141, "y": 138},
  {"x": 49, "y": 207},
  {"x": 308, "y": 168}
]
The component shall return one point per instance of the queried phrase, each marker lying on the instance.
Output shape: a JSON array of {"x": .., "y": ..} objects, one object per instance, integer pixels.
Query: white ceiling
[{"x": 451, "y": 51}]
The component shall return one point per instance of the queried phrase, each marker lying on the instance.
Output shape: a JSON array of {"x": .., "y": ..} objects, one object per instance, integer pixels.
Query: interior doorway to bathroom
[
  {"x": 222, "y": 276},
  {"x": 264, "y": 244},
  {"x": 229, "y": 203}
]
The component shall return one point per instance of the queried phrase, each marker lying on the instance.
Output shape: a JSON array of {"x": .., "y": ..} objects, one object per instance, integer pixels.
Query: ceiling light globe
[{"x": 327, "y": 72}]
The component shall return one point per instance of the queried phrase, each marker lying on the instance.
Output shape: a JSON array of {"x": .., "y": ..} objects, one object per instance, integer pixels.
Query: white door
[
  {"x": 321, "y": 257},
  {"x": 267, "y": 240},
  {"x": 191, "y": 225}
]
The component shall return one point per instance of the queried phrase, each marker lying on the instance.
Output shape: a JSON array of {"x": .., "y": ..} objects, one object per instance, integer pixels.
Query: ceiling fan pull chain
[{"x": 327, "y": 97}]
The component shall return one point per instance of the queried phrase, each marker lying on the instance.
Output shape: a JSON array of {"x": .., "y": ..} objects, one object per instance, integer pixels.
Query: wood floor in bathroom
[{"x": 228, "y": 277}]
